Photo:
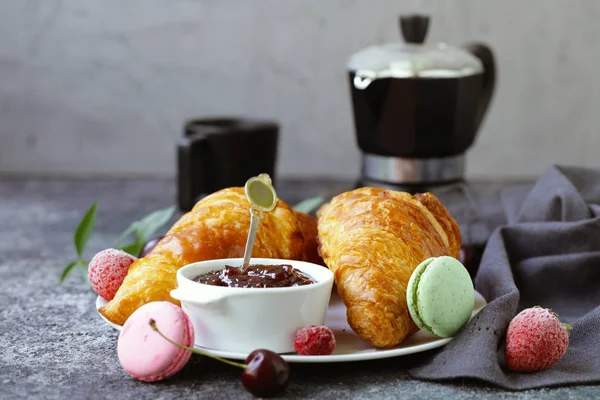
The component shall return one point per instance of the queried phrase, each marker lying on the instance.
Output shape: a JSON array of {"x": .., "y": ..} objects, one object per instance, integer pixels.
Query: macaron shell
[
  {"x": 411, "y": 294},
  {"x": 184, "y": 355},
  {"x": 444, "y": 296},
  {"x": 143, "y": 353}
]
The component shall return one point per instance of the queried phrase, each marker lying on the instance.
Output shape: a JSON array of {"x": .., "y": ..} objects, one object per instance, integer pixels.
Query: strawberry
[
  {"x": 314, "y": 341},
  {"x": 535, "y": 340},
  {"x": 107, "y": 270}
]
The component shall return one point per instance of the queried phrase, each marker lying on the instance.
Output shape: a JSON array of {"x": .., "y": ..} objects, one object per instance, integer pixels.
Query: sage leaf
[
  {"x": 84, "y": 229},
  {"x": 67, "y": 270}
]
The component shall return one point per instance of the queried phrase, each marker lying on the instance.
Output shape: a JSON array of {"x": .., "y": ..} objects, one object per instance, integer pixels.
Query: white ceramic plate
[{"x": 349, "y": 347}]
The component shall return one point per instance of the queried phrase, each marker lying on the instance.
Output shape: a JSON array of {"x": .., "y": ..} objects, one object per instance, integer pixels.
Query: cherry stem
[{"x": 193, "y": 350}]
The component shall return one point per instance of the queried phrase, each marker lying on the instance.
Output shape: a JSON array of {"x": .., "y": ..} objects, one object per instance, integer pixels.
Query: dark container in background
[{"x": 216, "y": 153}]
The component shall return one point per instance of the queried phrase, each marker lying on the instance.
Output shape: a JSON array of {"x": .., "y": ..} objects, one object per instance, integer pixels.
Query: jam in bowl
[
  {"x": 256, "y": 276},
  {"x": 231, "y": 311}
]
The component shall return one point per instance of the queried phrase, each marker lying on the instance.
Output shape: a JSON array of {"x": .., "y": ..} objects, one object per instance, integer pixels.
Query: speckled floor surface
[{"x": 53, "y": 345}]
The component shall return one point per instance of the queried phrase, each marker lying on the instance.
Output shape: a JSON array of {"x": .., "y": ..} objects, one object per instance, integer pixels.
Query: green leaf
[
  {"x": 309, "y": 205},
  {"x": 84, "y": 269},
  {"x": 143, "y": 229},
  {"x": 150, "y": 224},
  {"x": 67, "y": 270},
  {"x": 84, "y": 229},
  {"x": 131, "y": 229},
  {"x": 133, "y": 248}
]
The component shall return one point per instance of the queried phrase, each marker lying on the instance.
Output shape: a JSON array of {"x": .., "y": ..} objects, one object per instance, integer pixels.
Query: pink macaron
[{"x": 146, "y": 355}]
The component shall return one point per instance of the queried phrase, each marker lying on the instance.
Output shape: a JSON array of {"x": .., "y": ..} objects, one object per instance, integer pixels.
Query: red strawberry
[
  {"x": 535, "y": 340},
  {"x": 314, "y": 341},
  {"x": 107, "y": 270}
]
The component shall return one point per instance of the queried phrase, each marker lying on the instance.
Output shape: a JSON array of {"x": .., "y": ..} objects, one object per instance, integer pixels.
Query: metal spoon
[{"x": 263, "y": 198}]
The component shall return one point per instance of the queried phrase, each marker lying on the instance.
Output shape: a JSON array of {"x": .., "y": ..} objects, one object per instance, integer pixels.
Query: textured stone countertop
[{"x": 53, "y": 344}]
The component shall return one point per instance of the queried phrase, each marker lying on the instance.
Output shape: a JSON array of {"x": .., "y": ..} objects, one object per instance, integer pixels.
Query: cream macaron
[{"x": 440, "y": 296}]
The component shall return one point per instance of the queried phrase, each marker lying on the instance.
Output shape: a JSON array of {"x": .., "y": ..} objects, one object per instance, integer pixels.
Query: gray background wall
[{"x": 102, "y": 86}]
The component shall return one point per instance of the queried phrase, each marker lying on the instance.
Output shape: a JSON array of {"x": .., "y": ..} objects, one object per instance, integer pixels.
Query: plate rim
[{"x": 372, "y": 354}]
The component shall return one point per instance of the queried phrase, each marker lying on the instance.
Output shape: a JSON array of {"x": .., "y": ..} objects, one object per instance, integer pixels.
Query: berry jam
[{"x": 256, "y": 276}]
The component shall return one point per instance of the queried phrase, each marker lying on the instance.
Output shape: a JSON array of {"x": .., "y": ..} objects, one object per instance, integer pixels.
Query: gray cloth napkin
[{"x": 548, "y": 254}]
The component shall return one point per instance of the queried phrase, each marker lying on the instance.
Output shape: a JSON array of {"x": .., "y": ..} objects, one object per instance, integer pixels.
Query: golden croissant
[
  {"x": 373, "y": 239},
  {"x": 217, "y": 227}
]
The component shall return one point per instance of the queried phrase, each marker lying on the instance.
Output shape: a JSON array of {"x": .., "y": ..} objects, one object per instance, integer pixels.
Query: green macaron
[{"x": 440, "y": 296}]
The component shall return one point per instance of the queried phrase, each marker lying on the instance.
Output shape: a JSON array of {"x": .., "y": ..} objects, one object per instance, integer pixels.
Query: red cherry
[{"x": 266, "y": 373}]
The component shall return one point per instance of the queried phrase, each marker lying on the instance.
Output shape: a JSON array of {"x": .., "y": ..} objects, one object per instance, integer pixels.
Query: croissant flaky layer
[
  {"x": 373, "y": 239},
  {"x": 217, "y": 227}
]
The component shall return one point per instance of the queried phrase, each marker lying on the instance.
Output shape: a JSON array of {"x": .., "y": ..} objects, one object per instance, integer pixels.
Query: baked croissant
[
  {"x": 373, "y": 239},
  {"x": 217, "y": 227}
]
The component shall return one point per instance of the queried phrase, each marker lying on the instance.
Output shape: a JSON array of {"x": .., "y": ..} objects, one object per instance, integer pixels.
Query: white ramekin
[{"x": 246, "y": 319}]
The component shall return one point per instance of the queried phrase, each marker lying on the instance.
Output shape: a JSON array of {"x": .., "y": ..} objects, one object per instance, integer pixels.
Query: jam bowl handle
[{"x": 178, "y": 294}]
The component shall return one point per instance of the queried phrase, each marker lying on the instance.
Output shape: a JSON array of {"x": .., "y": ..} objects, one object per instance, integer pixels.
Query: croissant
[
  {"x": 217, "y": 227},
  {"x": 373, "y": 239}
]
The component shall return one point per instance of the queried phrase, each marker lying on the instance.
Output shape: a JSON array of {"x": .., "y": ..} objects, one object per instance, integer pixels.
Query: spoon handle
[{"x": 255, "y": 218}]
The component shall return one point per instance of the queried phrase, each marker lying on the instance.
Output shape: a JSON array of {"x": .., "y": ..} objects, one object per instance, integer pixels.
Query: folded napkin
[{"x": 547, "y": 254}]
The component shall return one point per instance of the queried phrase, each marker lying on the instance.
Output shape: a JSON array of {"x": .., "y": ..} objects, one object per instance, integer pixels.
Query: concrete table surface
[{"x": 53, "y": 344}]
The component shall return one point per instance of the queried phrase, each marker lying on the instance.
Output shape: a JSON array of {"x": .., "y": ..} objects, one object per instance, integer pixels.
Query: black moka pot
[{"x": 417, "y": 107}]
